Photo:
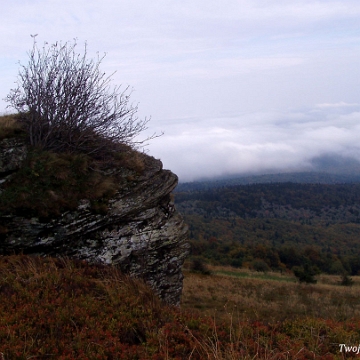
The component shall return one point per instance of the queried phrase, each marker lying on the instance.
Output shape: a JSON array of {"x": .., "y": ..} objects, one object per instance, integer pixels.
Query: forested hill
[
  {"x": 294, "y": 177},
  {"x": 281, "y": 224},
  {"x": 310, "y": 202}
]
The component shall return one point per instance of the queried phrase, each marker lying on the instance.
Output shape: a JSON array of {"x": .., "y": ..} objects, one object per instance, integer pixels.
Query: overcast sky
[{"x": 237, "y": 86}]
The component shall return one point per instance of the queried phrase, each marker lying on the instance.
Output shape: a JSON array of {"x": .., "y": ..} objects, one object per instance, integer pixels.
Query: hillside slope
[
  {"x": 283, "y": 224},
  {"x": 64, "y": 309}
]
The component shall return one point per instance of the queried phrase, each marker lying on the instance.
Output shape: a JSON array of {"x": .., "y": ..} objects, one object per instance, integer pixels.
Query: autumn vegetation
[
  {"x": 63, "y": 309},
  {"x": 306, "y": 228}
]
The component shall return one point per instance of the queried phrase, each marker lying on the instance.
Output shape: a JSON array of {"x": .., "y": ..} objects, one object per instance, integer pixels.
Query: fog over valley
[{"x": 325, "y": 138}]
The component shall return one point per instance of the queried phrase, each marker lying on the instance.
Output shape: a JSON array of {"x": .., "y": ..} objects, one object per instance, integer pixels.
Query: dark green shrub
[
  {"x": 260, "y": 265},
  {"x": 198, "y": 265},
  {"x": 305, "y": 273},
  {"x": 346, "y": 280}
]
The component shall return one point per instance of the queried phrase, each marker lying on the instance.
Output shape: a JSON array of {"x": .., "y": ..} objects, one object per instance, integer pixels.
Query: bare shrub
[{"x": 67, "y": 104}]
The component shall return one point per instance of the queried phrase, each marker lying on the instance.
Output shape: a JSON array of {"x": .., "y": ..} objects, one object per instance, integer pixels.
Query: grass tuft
[{"x": 9, "y": 127}]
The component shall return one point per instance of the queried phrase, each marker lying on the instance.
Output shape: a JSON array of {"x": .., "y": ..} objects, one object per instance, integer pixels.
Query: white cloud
[
  {"x": 206, "y": 149},
  {"x": 224, "y": 80},
  {"x": 336, "y": 105}
]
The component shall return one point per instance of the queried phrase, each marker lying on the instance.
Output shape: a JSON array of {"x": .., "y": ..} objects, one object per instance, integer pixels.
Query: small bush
[
  {"x": 305, "y": 273},
  {"x": 66, "y": 104},
  {"x": 198, "y": 265},
  {"x": 260, "y": 265},
  {"x": 346, "y": 280}
]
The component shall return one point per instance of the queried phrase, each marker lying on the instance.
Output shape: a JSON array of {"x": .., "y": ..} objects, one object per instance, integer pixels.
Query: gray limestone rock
[{"x": 141, "y": 231}]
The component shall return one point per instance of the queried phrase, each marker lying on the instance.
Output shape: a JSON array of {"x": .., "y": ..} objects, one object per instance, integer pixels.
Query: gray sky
[{"x": 236, "y": 86}]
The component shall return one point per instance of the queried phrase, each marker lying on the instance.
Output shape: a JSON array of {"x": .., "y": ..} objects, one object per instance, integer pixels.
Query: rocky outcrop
[{"x": 140, "y": 232}]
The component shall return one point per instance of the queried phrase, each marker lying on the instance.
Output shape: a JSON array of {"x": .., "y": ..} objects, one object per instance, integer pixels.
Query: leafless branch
[{"x": 67, "y": 104}]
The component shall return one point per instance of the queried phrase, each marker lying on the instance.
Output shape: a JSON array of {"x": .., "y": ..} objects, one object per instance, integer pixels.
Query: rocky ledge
[{"x": 140, "y": 232}]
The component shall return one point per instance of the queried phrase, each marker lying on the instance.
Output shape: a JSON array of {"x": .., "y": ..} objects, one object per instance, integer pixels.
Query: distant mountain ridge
[{"x": 305, "y": 177}]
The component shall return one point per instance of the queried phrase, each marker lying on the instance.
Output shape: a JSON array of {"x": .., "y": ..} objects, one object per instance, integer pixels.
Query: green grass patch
[{"x": 263, "y": 276}]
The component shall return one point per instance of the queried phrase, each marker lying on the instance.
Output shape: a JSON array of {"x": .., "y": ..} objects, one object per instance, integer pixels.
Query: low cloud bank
[{"x": 311, "y": 139}]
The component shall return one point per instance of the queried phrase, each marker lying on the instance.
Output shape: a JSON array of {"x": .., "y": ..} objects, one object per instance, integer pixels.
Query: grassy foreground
[
  {"x": 270, "y": 297},
  {"x": 62, "y": 309}
]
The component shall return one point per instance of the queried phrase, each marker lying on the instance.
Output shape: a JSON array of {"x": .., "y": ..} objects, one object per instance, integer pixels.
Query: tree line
[{"x": 280, "y": 226}]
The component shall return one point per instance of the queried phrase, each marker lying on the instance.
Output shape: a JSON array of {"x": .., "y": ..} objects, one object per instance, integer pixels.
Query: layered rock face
[{"x": 141, "y": 232}]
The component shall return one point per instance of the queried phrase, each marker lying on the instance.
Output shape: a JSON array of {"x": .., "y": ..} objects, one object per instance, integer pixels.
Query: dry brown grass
[
  {"x": 254, "y": 299},
  {"x": 57, "y": 308},
  {"x": 9, "y": 126},
  {"x": 8, "y": 121}
]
